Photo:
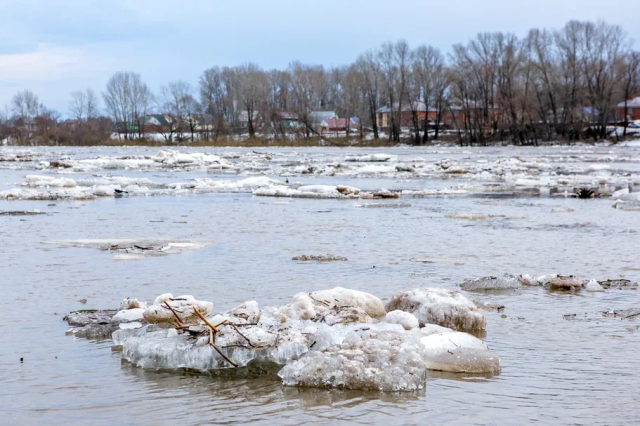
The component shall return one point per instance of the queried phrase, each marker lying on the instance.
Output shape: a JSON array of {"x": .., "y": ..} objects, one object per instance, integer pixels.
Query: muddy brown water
[{"x": 554, "y": 371}]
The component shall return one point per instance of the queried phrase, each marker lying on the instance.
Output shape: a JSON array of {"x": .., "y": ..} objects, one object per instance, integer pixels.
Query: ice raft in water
[{"x": 326, "y": 339}]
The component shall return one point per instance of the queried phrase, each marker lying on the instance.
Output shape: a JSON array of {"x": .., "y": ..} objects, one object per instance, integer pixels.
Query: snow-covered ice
[
  {"x": 447, "y": 308},
  {"x": 365, "y": 360},
  {"x": 504, "y": 282},
  {"x": 457, "y": 352}
]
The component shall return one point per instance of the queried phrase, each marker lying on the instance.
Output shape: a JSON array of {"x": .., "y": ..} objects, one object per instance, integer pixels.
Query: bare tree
[
  {"x": 128, "y": 100},
  {"x": 26, "y": 105},
  {"x": 368, "y": 67},
  {"x": 84, "y": 105},
  {"x": 431, "y": 83},
  {"x": 252, "y": 91},
  {"x": 177, "y": 102},
  {"x": 630, "y": 76},
  {"x": 214, "y": 99}
]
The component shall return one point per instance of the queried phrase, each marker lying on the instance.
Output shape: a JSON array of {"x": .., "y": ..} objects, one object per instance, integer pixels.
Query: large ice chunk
[
  {"x": 457, "y": 352},
  {"x": 183, "y": 306},
  {"x": 440, "y": 306},
  {"x": 315, "y": 304},
  {"x": 366, "y": 359},
  {"x": 151, "y": 348}
]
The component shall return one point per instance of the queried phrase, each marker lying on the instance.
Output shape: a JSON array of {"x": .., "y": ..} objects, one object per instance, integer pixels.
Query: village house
[
  {"x": 243, "y": 119},
  {"x": 200, "y": 122},
  {"x": 632, "y": 113},
  {"x": 411, "y": 112},
  {"x": 333, "y": 125},
  {"x": 317, "y": 117}
]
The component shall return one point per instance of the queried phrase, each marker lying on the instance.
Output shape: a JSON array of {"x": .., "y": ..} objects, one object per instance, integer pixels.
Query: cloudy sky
[{"x": 55, "y": 47}]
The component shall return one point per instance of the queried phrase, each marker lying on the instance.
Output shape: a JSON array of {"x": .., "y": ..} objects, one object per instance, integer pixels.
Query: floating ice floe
[
  {"x": 383, "y": 205},
  {"x": 308, "y": 191},
  {"x": 473, "y": 216},
  {"x": 504, "y": 282},
  {"x": 619, "y": 284},
  {"x": 134, "y": 249},
  {"x": 553, "y": 282},
  {"x": 447, "y": 308},
  {"x": 323, "y": 339},
  {"x": 36, "y": 180},
  {"x": 622, "y": 313},
  {"x": 247, "y": 185},
  {"x": 593, "y": 286},
  {"x": 564, "y": 282},
  {"x": 100, "y": 324},
  {"x": 319, "y": 258},
  {"x": 372, "y": 158},
  {"x": 630, "y": 206},
  {"x": 21, "y": 213},
  {"x": 75, "y": 193},
  {"x": 456, "y": 262},
  {"x": 434, "y": 193}
]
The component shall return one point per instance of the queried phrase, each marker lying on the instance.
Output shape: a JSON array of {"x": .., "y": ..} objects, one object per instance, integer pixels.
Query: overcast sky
[{"x": 56, "y": 46}]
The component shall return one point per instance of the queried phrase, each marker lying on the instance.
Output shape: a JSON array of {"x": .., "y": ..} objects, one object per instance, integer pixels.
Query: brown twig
[
  {"x": 174, "y": 313},
  {"x": 243, "y": 336},
  {"x": 320, "y": 301},
  {"x": 205, "y": 320},
  {"x": 229, "y": 360}
]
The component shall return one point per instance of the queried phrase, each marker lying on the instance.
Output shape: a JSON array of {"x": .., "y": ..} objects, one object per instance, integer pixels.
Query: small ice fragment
[
  {"x": 505, "y": 282},
  {"x": 594, "y": 286},
  {"x": 129, "y": 315}
]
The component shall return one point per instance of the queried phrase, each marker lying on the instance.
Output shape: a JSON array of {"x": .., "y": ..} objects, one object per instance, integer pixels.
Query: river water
[{"x": 554, "y": 371}]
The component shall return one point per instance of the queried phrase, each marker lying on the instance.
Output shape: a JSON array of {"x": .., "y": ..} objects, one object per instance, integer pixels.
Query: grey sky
[{"x": 55, "y": 47}]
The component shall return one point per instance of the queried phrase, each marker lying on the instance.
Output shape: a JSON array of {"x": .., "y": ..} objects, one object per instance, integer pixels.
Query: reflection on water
[{"x": 555, "y": 371}]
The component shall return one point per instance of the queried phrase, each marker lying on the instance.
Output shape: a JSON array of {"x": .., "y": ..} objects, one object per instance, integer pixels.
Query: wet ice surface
[{"x": 553, "y": 370}]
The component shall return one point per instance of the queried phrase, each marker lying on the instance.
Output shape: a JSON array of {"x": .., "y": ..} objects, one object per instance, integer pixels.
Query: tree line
[{"x": 552, "y": 84}]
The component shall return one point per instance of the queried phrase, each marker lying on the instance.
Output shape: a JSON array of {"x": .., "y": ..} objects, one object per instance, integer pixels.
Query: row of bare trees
[{"x": 551, "y": 84}]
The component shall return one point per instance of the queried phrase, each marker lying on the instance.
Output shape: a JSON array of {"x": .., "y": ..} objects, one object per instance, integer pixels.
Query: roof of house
[
  {"x": 283, "y": 115},
  {"x": 157, "y": 119},
  {"x": 319, "y": 116},
  {"x": 406, "y": 107},
  {"x": 631, "y": 103},
  {"x": 201, "y": 118}
]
